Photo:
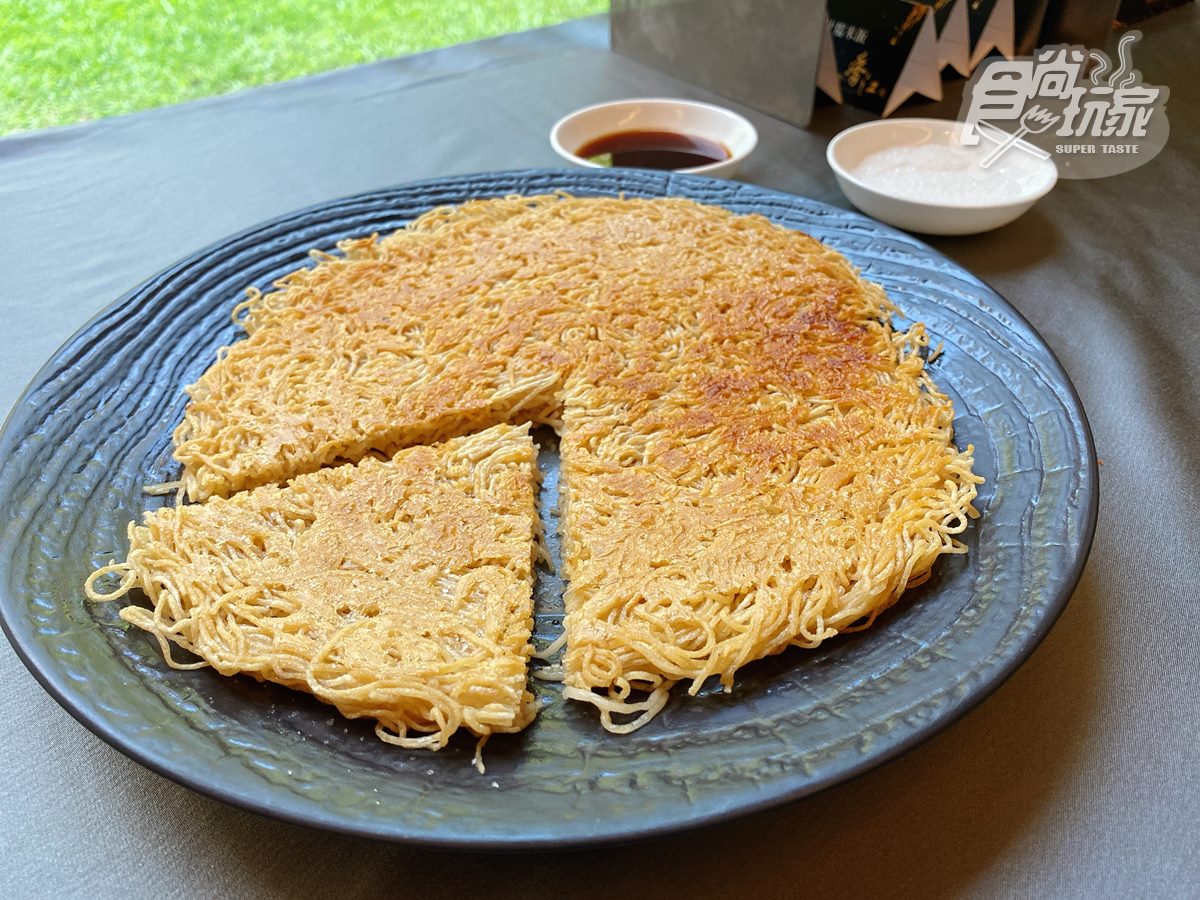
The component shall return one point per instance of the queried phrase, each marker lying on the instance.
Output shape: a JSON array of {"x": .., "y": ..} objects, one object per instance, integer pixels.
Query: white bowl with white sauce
[{"x": 916, "y": 174}]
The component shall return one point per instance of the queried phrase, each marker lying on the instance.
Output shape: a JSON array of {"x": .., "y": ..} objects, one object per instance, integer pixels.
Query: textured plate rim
[{"x": 886, "y": 750}]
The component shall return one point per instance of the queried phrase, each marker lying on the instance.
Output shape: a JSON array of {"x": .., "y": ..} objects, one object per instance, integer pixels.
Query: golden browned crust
[{"x": 751, "y": 457}]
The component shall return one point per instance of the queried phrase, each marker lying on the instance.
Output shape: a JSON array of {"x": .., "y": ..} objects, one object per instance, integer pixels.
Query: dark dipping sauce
[{"x": 652, "y": 150}]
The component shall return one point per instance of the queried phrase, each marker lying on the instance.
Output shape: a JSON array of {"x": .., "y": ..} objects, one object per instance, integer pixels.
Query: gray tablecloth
[{"x": 1079, "y": 777}]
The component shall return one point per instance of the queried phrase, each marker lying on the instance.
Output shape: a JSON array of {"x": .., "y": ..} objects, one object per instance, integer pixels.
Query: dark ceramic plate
[{"x": 94, "y": 428}]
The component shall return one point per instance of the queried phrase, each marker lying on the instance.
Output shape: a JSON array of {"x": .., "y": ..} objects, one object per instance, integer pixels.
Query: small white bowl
[
  {"x": 715, "y": 123},
  {"x": 1030, "y": 177}
]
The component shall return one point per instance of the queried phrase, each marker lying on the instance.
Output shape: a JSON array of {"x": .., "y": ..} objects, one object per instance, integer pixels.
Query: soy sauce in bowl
[{"x": 653, "y": 150}]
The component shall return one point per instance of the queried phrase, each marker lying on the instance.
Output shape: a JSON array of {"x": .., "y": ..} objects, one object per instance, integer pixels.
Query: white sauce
[{"x": 937, "y": 173}]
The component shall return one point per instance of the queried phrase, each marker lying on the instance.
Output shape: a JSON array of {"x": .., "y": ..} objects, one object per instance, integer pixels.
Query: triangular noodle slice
[{"x": 398, "y": 590}]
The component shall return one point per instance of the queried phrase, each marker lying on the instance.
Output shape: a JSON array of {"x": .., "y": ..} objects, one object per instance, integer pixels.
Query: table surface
[{"x": 1078, "y": 777}]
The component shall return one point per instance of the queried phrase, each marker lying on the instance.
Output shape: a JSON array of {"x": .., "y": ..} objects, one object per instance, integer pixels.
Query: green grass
[{"x": 73, "y": 60}]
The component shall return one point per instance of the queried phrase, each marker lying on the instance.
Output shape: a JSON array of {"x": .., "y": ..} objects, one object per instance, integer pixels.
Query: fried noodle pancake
[{"x": 752, "y": 457}]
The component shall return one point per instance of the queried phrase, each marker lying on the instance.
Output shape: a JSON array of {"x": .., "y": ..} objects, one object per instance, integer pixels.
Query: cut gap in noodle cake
[{"x": 398, "y": 590}]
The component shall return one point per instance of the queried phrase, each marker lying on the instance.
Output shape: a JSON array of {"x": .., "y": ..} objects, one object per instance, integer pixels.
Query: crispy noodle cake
[
  {"x": 752, "y": 456},
  {"x": 395, "y": 589}
]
